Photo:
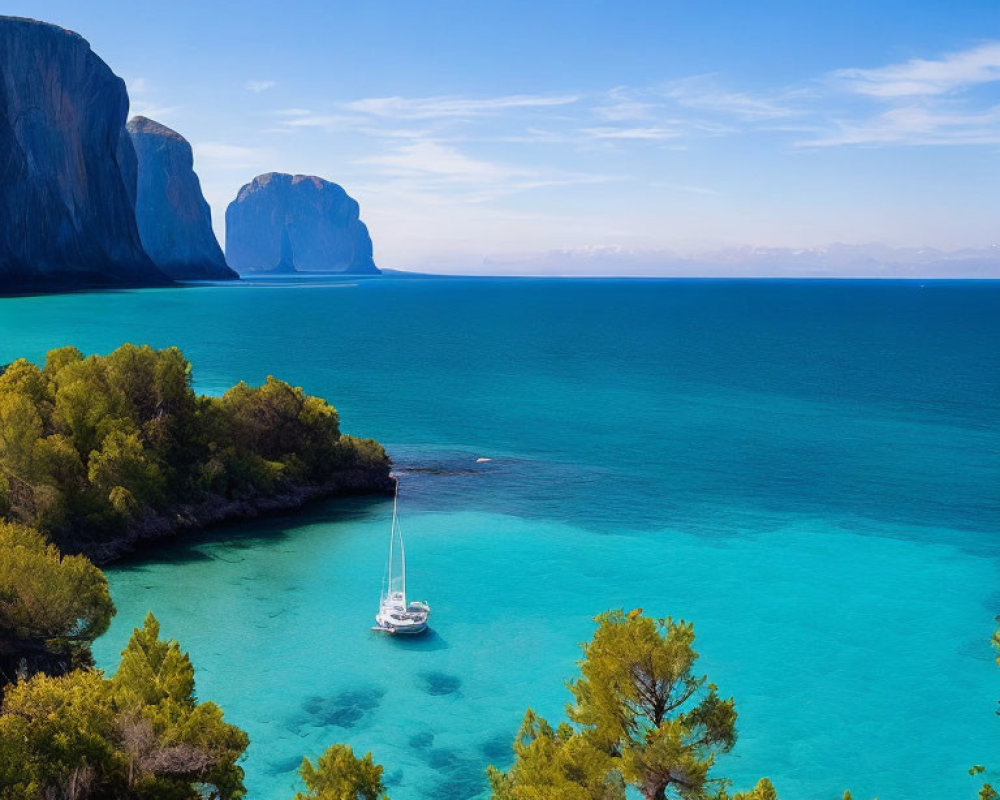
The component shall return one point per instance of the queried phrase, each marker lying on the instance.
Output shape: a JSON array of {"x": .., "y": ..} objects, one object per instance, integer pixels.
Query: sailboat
[{"x": 395, "y": 614}]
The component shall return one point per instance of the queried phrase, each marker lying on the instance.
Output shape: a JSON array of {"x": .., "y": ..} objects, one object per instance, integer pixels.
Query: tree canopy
[
  {"x": 556, "y": 764},
  {"x": 91, "y": 446},
  {"x": 140, "y": 734},
  {"x": 52, "y": 606},
  {"x": 639, "y": 698},
  {"x": 340, "y": 775},
  {"x": 640, "y": 716}
]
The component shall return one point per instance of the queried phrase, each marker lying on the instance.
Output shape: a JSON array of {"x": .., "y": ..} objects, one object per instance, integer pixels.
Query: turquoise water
[{"x": 810, "y": 471}]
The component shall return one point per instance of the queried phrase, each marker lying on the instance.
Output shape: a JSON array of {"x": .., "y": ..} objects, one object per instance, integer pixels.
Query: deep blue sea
[{"x": 807, "y": 470}]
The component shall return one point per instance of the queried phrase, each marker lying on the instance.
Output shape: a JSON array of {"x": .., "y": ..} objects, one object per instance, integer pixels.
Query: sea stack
[
  {"x": 175, "y": 221},
  {"x": 67, "y": 166},
  {"x": 290, "y": 223}
]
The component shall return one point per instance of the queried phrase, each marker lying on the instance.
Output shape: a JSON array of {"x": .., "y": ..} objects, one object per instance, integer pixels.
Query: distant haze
[
  {"x": 656, "y": 137},
  {"x": 848, "y": 261}
]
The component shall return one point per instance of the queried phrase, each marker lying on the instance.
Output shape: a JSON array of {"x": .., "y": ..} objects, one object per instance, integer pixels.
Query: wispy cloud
[
  {"x": 648, "y": 134},
  {"x": 143, "y": 108},
  {"x": 290, "y": 120},
  {"x": 440, "y": 173},
  {"x": 438, "y": 160},
  {"x": 702, "y": 92},
  {"x": 306, "y": 119},
  {"x": 918, "y": 102},
  {"x": 449, "y": 106},
  {"x": 686, "y": 187},
  {"x": 951, "y": 73},
  {"x": 142, "y": 102},
  {"x": 915, "y": 125},
  {"x": 621, "y": 105},
  {"x": 694, "y": 106},
  {"x": 230, "y": 156},
  {"x": 398, "y": 117},
  {"x": 259, "y": 86}
]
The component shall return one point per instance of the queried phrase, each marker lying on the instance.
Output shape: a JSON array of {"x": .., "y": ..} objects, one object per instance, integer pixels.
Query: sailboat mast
[
  {"x": 402, "y": 550},
  {"x": 392, "y": 542}
]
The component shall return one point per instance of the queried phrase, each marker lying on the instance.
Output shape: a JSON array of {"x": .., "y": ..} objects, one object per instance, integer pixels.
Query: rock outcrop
[
  {"x": 67, "y": 166},
  {"x": 287, "y": 262},
  {"x": 285, "y": 223},
  {"x": 175, "y": 221}
]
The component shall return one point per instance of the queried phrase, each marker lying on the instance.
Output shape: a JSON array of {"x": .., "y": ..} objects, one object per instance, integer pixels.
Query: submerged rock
[
  {"x": 175, "y": 221},
  {"x": 440, "y": 683},
  {"x": 67, "y": 166},
  {"x": 289, "y": 223}
]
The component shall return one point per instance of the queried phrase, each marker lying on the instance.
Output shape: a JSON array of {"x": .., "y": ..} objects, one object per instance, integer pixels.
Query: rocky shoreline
[{"x": 215, "y": 511}]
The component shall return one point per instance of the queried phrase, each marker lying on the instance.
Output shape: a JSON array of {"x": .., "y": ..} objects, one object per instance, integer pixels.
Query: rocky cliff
[
  {"x": 67, "y": 166},
  {"x": 278, "y": 221},
  {"x": 175, "y": 222}
]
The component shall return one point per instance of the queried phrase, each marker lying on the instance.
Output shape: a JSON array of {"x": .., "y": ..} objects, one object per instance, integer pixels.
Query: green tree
[
  {"x": 91, "y": 447},
  {"x": 556, "y": 764},
  {"x": 52, "y": 607},
  {"x": 339, "y": 775},
  {"x": 640, "y": 699},
  {"x": 20, "y": 429},
  {"x": 764, "y": 790},
  {"x": 276, "y": 420},
  {"x": 170, "y": 740},
  {"x": 123, "y": 468},
  {"x": 57, "y": 739},
  {"x": 140, "y": 735},
  {"x": 86, "y": 409},
  {"x": 56, "y": 359},
  {"x": 23, "y": 377},
  {"x": 987, "y": 791}
]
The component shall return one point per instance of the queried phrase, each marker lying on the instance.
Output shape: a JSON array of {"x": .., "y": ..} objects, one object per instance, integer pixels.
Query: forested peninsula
[{"x": 100, "y": 453}]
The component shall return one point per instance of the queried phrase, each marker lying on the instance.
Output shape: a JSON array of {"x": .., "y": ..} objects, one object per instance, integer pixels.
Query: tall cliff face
[
  {"x": 175, "y": 221},
  {"x": 319, "y": 220},
  {"x": 67, "y": 166}
]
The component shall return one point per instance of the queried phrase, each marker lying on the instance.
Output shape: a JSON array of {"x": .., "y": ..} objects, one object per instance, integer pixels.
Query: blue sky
[{"x": 481, "y": 135}]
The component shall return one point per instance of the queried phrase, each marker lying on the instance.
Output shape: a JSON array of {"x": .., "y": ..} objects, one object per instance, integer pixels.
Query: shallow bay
[{"x": 810, "y": 471}]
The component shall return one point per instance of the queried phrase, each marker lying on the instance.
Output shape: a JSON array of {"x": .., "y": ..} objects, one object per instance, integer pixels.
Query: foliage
[
  {"x": 92, "y": 445},
  {"x": 56, "y": 738},
  {"x": 168, "y": 736},
  {"x": 987, "y": 791},
  {"x": 764, "y": 790},
  {"x": 556, "y": 764},
  {"x": 339, "y": 775},
  {"x": 642, "y": 717},
  {"x": 51, "y": 606},
  {"x": 640, "y": 699},
  {"x": 140, "y": 734}
]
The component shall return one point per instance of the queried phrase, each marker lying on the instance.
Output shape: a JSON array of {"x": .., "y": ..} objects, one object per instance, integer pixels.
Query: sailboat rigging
[{"x": 395, "y": 614}]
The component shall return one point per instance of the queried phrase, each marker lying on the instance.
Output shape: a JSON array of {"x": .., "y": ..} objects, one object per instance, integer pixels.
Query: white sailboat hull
[
  {"x": 396, "y": 618},
  {"x": 395, "y": 615}
]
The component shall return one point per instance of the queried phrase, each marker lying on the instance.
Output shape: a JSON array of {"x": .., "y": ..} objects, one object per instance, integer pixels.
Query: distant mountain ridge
[{"x": 873, "y": 260}]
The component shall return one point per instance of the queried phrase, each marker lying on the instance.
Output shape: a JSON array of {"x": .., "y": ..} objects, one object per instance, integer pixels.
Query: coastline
[{"x": 216, "y": 511}]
